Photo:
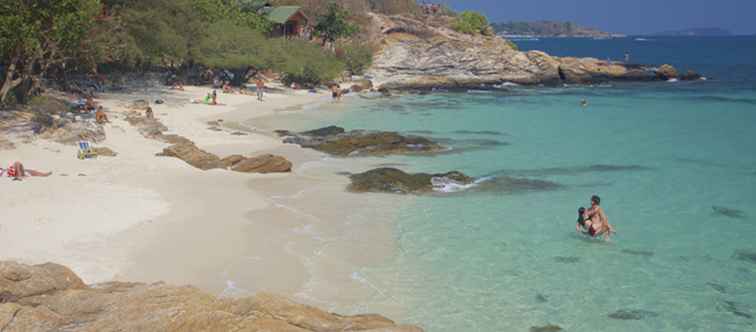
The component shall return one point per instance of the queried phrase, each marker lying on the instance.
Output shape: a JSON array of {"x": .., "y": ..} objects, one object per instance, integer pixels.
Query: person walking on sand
[
  {"x": 215, "y": 97},
  {"x": 260, "y": 88}
]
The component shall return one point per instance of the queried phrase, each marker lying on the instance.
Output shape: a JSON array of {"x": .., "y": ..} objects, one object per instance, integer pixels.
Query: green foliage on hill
[
  {"x": 356, "y": 57},
  {"x": 471, "y": 22}
]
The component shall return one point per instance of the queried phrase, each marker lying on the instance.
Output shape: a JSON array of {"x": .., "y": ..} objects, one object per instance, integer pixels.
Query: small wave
[
  {"x": 673, "y": 80},
  {"x": 479, "y": 91},
  {"x": 505, "y": 85},
  {"x": 446, "y": 185}
]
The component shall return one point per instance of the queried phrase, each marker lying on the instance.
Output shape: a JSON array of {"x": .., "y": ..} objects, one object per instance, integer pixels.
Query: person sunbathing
[{"x": 17, "y": 171}]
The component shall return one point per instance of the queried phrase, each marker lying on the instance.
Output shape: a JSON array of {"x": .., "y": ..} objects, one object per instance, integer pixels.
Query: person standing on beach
[
  {"x": 260, "y": 87},
  {"x": 627, "y": 57},
  {"x": 215, "y": 97}
]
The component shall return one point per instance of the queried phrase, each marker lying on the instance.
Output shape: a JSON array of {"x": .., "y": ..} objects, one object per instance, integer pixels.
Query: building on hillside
[{"x": 288, "y": 21}]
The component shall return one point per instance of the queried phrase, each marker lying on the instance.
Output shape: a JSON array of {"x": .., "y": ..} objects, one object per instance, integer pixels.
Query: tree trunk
[{"x": 10, "y": 81}]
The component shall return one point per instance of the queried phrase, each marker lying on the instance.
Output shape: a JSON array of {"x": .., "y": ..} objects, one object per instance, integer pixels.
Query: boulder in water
[
  {"x": 627, "y": 314},
  {"x": 395, "y": 181},
  {"x": 547, "y": 328},
  {"x": 690, "y": 76}
]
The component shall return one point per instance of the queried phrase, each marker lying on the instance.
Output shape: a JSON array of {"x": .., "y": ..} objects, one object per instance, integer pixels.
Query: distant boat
[{"x": 641, "y": 39}]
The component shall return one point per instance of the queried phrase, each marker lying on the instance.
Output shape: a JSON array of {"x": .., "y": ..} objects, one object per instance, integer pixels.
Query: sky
[{"x": 622, "y": 16}]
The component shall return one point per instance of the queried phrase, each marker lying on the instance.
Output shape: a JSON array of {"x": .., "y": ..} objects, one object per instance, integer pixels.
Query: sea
[{"x": 673, "y": 162}]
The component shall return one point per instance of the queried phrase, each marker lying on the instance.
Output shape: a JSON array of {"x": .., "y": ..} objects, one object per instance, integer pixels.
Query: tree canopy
[{"x": 334, "y": 24}]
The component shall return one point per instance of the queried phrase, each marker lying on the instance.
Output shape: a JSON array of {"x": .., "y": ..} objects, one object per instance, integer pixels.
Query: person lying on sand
[
  {"x": 17, "y": 171},
  {"x": 149, "y": 113},
  {"x": 594, "y": 220}
]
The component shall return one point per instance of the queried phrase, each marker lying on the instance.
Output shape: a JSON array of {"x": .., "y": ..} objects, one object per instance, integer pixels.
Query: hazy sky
[{"x": 623, "y": 16}]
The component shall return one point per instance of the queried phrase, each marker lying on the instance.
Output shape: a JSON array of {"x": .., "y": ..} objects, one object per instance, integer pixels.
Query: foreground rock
[
  {"x": 395, "y": 181},
  {"x": 51, "y": 297},
  {"x": 425, "y": 54},
  {"x": 337, "y": 141}
]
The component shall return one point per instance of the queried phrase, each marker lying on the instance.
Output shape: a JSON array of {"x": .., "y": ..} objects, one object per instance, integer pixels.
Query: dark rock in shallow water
[
  {"x": 717, "y": 287},
  {"x": 568, "y": 259},
  {"x": 325, "y": 131},
  {"x": 552, "y": 171},
  {"x": 547, "y": 328},
  {"x": 745, "y": 255},
  {"x": 392, "y": 180},
  {"x": 638, "y": 252},
  {"x": 336, "y": 141},
  {"x": 735, "y": 309},
  {"x": 506, "y": 184},
  {"x": 728, "y": 212},
  {"x": 540, "y": 298},
  {"x": 480, "y": 132},
  {"x": 626, "y": 314}
]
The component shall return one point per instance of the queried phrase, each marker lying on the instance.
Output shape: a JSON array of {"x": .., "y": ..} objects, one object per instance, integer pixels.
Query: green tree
[
  {"x": 356, "y": 57},
  {"x": 36, "y": 36},
  {"x": 471, "y": 22},
  {"x": 334, "y": 25}
]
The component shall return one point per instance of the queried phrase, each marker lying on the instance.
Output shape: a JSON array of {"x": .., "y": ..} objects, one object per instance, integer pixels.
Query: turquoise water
[{"x": 661, "y": 156}]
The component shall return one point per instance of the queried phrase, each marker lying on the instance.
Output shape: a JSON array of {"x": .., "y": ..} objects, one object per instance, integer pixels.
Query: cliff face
[
  {"x": 51, "y": 297},
  {"x": 424, "y": 53}
]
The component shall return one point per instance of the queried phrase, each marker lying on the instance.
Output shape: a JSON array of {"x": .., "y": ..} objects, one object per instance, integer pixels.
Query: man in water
[{"x": 595, "y": 220}]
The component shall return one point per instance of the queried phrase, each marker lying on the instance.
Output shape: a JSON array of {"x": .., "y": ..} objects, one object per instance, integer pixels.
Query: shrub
[
  {"x": 306, "y": 63},
  {"x": 356, "y": 57},
  {"x": 470, "y": 22}
]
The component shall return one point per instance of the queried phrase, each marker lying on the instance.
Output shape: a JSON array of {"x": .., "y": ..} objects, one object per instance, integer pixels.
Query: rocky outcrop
[
  {"x": 337, "y": 141},
  {"x": 666, "y": 72},
  {"x": 193, "y": 155},
  {"x": 264, "y": 164},
  {"x": 148, "y": 127},
  {"x": 51, "y": 297},
  {"x": 395, "y": 181},
  {"x": 419, "y": 54}
]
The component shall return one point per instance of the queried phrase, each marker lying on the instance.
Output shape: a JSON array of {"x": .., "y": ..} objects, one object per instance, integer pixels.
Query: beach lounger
[{"x": 85, "y": 151}]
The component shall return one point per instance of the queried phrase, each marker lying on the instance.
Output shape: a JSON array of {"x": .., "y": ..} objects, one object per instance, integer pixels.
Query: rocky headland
[
  {"x": 339, "y": 142},
  {"x": 50, "y": 297},
  {"x": 416, "y": 53}
]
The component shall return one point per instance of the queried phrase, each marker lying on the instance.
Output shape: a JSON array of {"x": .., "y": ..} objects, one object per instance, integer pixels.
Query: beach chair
[{"x": 85, "y": 151}]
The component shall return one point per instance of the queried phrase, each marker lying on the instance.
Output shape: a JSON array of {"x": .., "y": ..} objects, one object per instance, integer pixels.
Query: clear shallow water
[{"x": 661, "y": 155}]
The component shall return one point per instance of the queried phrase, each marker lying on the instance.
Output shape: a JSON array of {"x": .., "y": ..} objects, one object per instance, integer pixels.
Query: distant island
[
  {"x": 695, "y": 32},
  {"x": 548, "y": 29}
]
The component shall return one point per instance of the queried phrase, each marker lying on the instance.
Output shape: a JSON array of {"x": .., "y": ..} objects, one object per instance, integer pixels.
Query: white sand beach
[{"x": 139, "y": 217}]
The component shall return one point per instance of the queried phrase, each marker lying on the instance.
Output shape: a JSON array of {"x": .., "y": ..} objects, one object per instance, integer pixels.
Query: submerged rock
[
  {"x": 392, "y": 180},
  {"x": 337, "y": 141},
  {"x": 728, "y": 212},
  {"x": 745, "y": 255},
  {"x": 627, "y": 314},
  {"x": 51, "y": 297},
  {"x": 547, "y": 328},
  {"x": 735, "y": 309},
  {"x": 644, "y": 253},
  {"x": 567, "y": 259}
]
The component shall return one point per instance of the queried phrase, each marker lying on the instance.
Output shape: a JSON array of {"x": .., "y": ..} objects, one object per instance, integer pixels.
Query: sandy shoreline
[{"x": 139, "y": 217}]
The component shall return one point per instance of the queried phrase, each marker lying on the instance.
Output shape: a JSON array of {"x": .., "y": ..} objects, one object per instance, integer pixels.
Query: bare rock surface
[
  {"x": 51, "y": 297},
  {"x": 193, "y": 155},
  {"x": 263, "y": 164}
]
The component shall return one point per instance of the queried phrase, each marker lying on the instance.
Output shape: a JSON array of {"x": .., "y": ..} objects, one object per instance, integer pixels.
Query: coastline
[{"x": 144, "y": 218}]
